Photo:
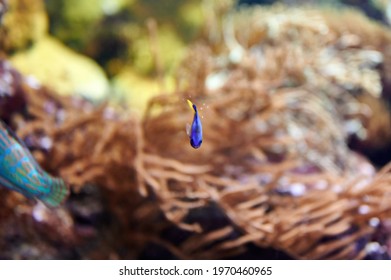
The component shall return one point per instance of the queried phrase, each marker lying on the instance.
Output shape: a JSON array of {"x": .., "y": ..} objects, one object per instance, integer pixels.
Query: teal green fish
[{"x": 20, "y": 172}]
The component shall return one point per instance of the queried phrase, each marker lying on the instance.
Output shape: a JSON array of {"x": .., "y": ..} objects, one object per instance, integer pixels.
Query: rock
[
  {"x": 72, "y": 21},
  {"x": 24, "y": 23},
  {"x": 62, "y": 69},
  {"x": 118, "y": 33}
]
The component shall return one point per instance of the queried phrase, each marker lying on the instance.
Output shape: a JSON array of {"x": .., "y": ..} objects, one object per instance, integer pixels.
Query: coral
[
  {"x": 3, "y": 8},
  {"x": 130, "y": 88},
  {"x": 130, "y": 36},
  {"x": 12, "y": 93},
  {"x": 62, "y": 69},
  {"x": 281, "y": 91},
  {"x": 23, "y": 34},
  {"x": 74, "y": 22},
  {"x": 24, "y": 23},
  {"x": 277, "y": 120},
  {"x": 115, "y": 33}
]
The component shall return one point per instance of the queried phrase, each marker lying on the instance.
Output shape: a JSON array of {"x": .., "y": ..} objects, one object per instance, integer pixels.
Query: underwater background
[{"x": 294, "y": 99}]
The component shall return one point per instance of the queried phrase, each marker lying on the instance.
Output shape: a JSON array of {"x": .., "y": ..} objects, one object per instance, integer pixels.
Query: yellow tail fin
[{"x": 190, "y": 104}]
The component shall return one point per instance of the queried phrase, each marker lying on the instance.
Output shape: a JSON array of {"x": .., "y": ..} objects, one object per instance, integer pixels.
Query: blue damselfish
[
  {"x": 195, "y": 130},
  {"x": 20, "y": 172}
]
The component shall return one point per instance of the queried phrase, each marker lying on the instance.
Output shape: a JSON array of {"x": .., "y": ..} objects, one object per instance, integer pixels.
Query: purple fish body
[{"x": 20, "y": 172}]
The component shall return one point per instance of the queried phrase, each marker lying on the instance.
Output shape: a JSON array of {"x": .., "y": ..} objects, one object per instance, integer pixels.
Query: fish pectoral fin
[{"x": 188, "y": 129}]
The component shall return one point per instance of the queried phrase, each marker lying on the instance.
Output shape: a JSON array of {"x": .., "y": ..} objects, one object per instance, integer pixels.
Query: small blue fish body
[
  {"x": 195, "y": 130},
  {"x": 20, "y": 172}
]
